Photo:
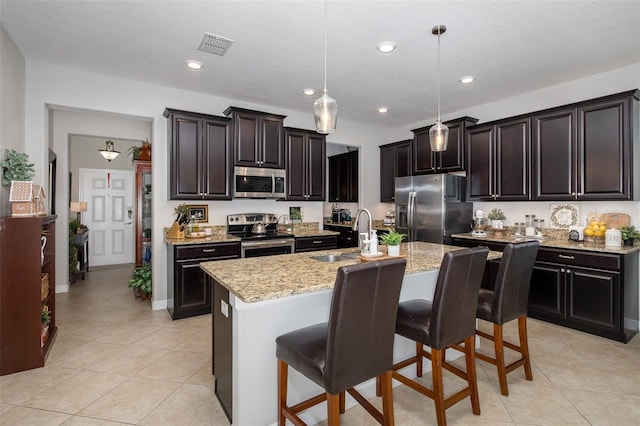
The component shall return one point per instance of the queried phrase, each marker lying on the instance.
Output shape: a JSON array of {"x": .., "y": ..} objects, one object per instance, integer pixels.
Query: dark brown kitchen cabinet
[
  {"x": 326, "y": 242},
  {"x": 347, "y": 238},
  {"x": 306, "y": 165},
  {"x": 222, "y": 350},
  {"x": 585, "y": 151},
  {"x": 200, "y": 156},
  {"x": 343, "y": 177},
  {"x": 395, "y": 161},
  {"x": 189, "y": 292},
  {"x": 498, "y": 161},
  {"x": 452, "y": 160},
  {"x": 258, "y": 138}
]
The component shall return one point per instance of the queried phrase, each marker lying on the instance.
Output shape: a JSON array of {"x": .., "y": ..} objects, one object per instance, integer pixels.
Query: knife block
[{"x": 175, "y": 232}]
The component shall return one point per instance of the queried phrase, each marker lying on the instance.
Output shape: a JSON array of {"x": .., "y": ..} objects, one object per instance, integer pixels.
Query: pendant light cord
[
  {"x": 325, "y": 46},
  {"x": 439, "y": 32}
]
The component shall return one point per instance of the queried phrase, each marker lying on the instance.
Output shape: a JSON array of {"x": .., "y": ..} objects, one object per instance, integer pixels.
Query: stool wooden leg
[
  {"x": 333, "y": 409},
  {"x": 387, "y": 398},
  {"x": 470, "y": 358},
  {"x": 342, "y": 402},
  {"x": 283, "y": 370},
  {"x": 419, "y": 349},
  {"x": 438, "y": 388},
  {"x": 524, "y": 346},
  {"x": 498, "y": 345}
]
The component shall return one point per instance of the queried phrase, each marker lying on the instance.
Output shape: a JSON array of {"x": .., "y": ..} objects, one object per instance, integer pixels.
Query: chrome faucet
[{"x": 355, "y": 220}]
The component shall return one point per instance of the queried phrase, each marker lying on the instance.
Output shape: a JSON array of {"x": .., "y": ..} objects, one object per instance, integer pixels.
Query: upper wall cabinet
[
  {"x": 585, "y": 151},
  {"x": 498, "y": 160},
  {"x": 258, "y": 138},
  {"x": 200, "y": 156},
  {"x": 395, "y": 161},
  {"x": 452, "y": 160},
  {"x": 306, "y": 161},
  {"x": 343, "y": 177}
]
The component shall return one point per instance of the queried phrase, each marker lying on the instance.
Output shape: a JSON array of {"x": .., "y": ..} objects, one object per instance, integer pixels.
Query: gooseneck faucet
[{"x": 355, "y": 222}]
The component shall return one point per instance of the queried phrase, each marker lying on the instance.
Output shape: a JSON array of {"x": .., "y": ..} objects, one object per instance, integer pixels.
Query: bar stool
[
  {"x": 354, "y": 346},
  {"x": 449, "y": 319},
  {"x": 506, "y": 302}
]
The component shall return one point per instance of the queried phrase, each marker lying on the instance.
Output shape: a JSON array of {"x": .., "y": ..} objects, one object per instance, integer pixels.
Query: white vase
[
  {"x": 496, "y": 224},
  {"x": 393, "y": 250},
  {"x": 44, "y": 243}
]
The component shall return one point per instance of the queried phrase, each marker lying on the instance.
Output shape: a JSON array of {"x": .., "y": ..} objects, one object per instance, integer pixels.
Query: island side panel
[
  {"x": 222, "y": 359},
  {"x": 255, "y": 328}
]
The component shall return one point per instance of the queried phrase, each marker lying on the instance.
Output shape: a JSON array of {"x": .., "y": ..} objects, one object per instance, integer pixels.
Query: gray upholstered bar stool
[
  {"x": 449, "y": 319},
  {"x": 354, "y": 346},
  {"x": 506, "y": 302}
]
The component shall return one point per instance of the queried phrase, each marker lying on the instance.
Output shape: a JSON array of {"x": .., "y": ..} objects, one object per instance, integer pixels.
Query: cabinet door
[
  {"x": 271, "y": 151},
  {"x": 547, "y": 292},
  {"x": 315, "y": 173},
  {"x": 192, "y": 291},
  {"x": 246, "y": 130},
  {"x": 352, "y": 177},
  {"x": 604, "y": 157},
  {"x": 480, "y": 164},
  {"x": 387, "y": 173},
  {"x": 338, "y": 178},
  {"x": 594, "y": 298},
  {"x": 423, "y": 158},
  {"x": 554, "y": 155},
  {"x": 512, "y": 160},
  {"x": 143, "y": 207},
  {"x": 217, "y": 154},
  {"x": 452, "y": 160},
  {"x": 186, "y": 160},
  {"x": 296, "y": 185}
]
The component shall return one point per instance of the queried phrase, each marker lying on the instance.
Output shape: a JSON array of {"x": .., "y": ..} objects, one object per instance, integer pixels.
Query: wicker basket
[{"x": 44, "y": 286}]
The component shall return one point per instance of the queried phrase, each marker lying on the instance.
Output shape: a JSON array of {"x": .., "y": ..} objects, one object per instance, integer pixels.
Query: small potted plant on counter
[
  {"x": 496, "y": 216},
  {"x": 629, "y": 235},
  {"x": 141, "y": 280},
  {"x": 392, "y": 240}
]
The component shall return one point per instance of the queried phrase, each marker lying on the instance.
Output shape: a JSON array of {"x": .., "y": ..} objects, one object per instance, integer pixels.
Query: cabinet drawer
[
  {"x": 209, "y": 251},
  {"x": 580, "y": 258},
  {"x": 316, "y": 243}
]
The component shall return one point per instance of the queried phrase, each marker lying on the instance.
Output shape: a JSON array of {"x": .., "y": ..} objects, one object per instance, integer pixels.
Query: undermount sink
[
  {"x": 353, "y": 255},
  {"x": 330, "y": 258}
]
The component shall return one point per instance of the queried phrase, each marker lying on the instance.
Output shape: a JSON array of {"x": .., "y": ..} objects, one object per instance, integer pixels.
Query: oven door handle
[{"x": 268, "y": 243}]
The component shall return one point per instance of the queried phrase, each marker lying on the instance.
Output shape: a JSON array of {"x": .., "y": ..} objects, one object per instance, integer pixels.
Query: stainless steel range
[{"x": 259, "y": 234}]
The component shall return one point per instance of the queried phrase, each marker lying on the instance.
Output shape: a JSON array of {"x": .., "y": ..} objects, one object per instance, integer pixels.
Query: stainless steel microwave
[{"x": 257, "y": 182}]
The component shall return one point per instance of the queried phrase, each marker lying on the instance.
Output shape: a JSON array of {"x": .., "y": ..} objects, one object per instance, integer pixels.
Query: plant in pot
[
  {"x": 140, "y": 152},
  {"x": 141, "y": 280},
  {"x": 392, "y": 240},
  {"x": 496, "y": 216},
  {"x": 629, "y": 235},
  {"x": 45, "y": 318},
  {"x": 16, "y": 167}
]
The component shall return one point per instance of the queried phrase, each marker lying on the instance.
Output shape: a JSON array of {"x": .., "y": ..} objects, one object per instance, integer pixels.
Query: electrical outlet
[{"x": 224, "y": 308}]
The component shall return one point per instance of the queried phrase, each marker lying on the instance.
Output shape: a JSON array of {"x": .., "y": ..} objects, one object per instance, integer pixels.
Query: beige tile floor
[{"x": 117, "y": 362}]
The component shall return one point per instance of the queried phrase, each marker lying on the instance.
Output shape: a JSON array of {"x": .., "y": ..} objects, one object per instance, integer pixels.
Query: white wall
[
  {"x": 12, "y": 91},
  {"x": 54, "y": 87}
]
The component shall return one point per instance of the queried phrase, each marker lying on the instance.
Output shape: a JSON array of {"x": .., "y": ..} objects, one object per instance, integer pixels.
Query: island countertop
[{"x": 273, "y": 277}]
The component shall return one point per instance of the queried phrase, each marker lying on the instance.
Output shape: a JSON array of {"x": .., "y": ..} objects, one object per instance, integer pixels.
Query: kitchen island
[{"x": 257, "y": 299}]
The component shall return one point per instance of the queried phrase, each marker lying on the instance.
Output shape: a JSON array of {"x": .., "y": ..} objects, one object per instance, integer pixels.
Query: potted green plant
[
  {"x": 392, "y": 240},
  {"x": 496, "y": 216},
  {"x": 16, "y": 167},
  {"x": 629, "y": 235},
  {"x": 141, "y": 280}
]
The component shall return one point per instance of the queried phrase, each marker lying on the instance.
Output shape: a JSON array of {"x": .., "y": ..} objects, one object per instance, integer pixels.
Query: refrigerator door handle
[{"x": 411, "y": 215}]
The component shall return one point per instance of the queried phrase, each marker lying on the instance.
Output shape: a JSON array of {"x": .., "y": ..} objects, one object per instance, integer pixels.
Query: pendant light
[
  {"x": 109, "y": 153},
  {"x": 439, "y": 133},
  {"x": 325, "y": 108}
]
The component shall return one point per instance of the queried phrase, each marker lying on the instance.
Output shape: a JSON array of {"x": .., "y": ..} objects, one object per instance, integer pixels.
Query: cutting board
[{"x": 613, "y": 220}]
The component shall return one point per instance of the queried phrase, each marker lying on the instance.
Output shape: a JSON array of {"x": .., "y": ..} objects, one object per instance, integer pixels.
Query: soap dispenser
[{"x": 374, "y": 242}]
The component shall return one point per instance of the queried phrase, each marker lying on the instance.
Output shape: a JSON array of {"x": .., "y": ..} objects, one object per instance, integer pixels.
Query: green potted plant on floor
[
  {"x": 629, "y": 235},
  {"x": 392, "y": 240},
  {"x": 141, "y": 280}
]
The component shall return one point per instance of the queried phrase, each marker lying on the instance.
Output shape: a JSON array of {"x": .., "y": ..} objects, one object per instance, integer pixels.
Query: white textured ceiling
[{"x": 512, "y": 47}]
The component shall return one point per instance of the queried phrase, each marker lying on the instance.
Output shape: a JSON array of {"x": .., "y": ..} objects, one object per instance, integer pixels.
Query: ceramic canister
[{"x": 612, "y": 238}]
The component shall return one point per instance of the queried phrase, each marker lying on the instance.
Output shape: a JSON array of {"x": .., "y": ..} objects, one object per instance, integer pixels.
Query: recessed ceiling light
[
  {"x": 308, "y": 92},
  {"x": 194, "y": 65},
  {"x": 382, "y": 110},
  {"x": 386, "y": 46},
  {"x": 467, "y": 79}
]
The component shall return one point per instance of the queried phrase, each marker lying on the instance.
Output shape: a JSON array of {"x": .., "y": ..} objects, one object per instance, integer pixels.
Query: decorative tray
[{"x": 383, "y": 256}]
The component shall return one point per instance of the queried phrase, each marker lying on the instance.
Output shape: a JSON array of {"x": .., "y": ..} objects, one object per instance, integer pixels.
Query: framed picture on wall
[{"x": 199, "y": 212}]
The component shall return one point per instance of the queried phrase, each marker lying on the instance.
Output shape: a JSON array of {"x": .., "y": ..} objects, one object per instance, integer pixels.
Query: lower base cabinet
[
  {"x": 347, "y": 238},
  {"x": 584, "y": 290},
  {"x": 189, "y": 292},
  {"x": 222, "y": 320}
]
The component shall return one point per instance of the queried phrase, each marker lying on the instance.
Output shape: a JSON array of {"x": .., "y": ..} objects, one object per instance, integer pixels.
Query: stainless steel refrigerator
[{"x": 432, "y": 207}]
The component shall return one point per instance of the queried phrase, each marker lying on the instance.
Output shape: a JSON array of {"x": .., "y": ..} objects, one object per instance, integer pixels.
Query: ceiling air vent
[{"x": 215, "y": 44}]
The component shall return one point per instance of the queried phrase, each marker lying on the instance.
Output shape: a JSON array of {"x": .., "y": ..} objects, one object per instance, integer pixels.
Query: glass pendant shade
[
  {"x": 325, "y": 112},
  {"x": 109, "y": 153},
  {"x": 438, "y": 137}
]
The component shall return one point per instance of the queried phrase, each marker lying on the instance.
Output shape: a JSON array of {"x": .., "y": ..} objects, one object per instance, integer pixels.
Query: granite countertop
[
  {"x": 298, "y": 233},
  {"x": 554, "y": 239},
  {"x": 215, "y": 238},
  {"x": 264, "y": 278}
]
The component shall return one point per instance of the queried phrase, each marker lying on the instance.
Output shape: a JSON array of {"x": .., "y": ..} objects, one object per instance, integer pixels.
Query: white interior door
[{"x": 109, "y": 196}]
